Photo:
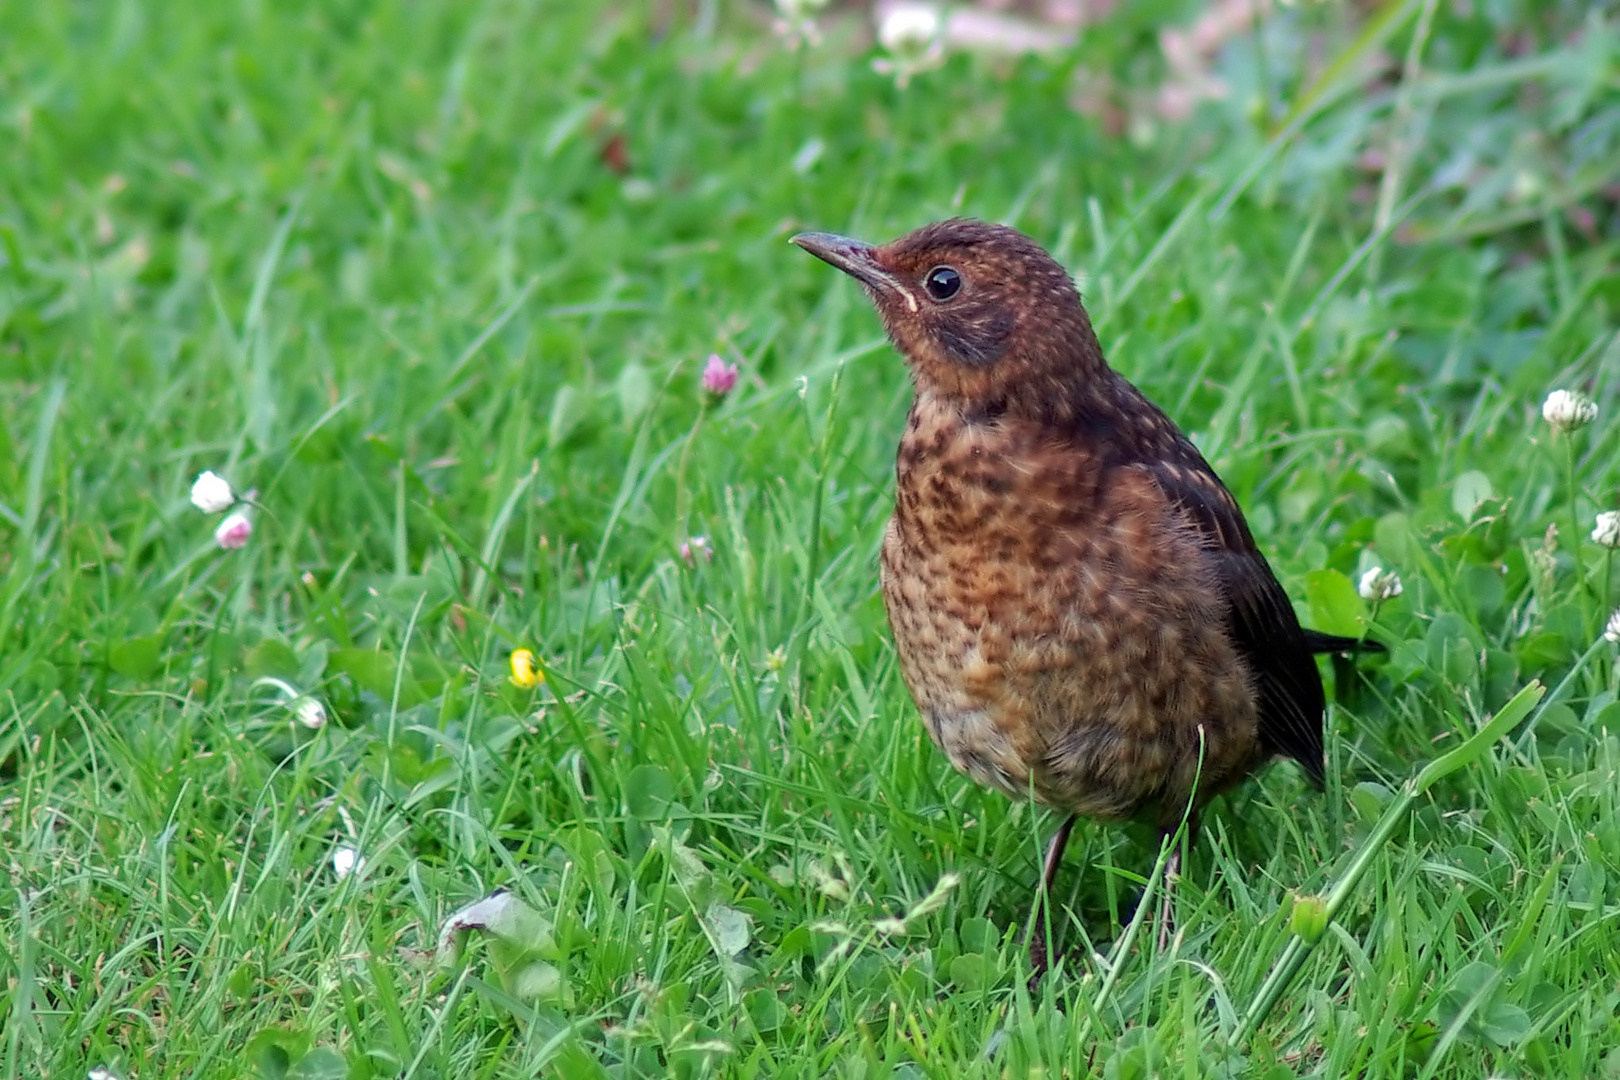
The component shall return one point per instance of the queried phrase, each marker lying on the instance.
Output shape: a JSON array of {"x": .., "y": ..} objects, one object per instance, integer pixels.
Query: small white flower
[
  {"x": 346, "y": 860},
  {"x": 913, "y": 35},
  {"x": 1611, "y": 632},
  {"x": 1379, "y": 584},
  {"x": 696, "y": 548},
  {"x": 797, "y": 26},
  {"x": 211, "y": 492},
  {"x": 1567, "y": 410},
  {"x": 909, "y": 30},
  {"x": 101, "y": 1072},
  {"x": 309, "y": 711},
  {"x": 234, "y": 532},
  {"x": 1607, "y": 532}
]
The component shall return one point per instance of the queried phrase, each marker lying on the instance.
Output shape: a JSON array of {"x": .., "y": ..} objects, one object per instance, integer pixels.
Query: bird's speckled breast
[{"x": 1054, "y": 618}]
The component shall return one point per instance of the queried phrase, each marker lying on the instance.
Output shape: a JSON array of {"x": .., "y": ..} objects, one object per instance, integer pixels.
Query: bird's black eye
[{"x": 942, "y": 283}]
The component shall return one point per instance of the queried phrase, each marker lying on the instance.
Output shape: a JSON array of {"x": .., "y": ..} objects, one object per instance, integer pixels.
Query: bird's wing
[{"x": 1262, "y": 621}]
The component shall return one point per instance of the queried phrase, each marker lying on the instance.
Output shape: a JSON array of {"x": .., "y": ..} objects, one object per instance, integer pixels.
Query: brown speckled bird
[{"x": 1080, "y": 610}]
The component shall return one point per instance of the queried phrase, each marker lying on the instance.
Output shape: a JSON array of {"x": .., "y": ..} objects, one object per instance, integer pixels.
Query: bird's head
[{"x": 979, "y": 311}]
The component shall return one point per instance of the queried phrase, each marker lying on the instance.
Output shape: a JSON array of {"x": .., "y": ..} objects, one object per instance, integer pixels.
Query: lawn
[{"x": 434, "y": 286}]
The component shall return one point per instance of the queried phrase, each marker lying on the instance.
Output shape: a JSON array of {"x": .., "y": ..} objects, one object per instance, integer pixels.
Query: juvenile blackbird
[{"x": 1080, "y": 610}]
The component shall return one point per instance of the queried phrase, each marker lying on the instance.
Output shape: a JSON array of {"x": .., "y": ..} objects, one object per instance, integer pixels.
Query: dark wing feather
[{"x": 1262, "y": 621}]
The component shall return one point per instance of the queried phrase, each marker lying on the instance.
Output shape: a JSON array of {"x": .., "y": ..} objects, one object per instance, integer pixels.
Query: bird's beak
[{"x": 857, "y": 259}]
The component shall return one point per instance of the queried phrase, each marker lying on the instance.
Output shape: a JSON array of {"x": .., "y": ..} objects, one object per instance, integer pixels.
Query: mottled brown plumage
[{"x": 1080, "y": 610}]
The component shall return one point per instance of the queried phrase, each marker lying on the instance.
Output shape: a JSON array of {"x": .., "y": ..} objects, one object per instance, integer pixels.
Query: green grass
[{"x": 371, "y": 262}]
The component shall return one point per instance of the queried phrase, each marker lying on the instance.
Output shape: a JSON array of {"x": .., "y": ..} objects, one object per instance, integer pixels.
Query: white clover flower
[
  {"x": 797, "y": 26},
  {"x": 696, "y": 548},
  {"x": 309, "y": 711},
  {"x": 1607, "y": 531},
  {"x": 1379, "y": 584},
  {"x": 909, "y": 30},
  {"x": 1567, "y": 410},
  {"x": 913, "y": 35},
  {"x": 346, "y": 860},
  {"x": 1611, "y": 632},
  {"x": 211, "y": 492},
  {"x": 234, "y": 532}
]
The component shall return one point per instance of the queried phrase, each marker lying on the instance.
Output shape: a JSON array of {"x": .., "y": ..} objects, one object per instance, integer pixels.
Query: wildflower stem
[
  {"x": 1299, "y": 949},
  {"x": 1574, "y": 512},
  {"x": 1608, "y": 582},
  {"x": 682, "y": 497},
  {"x": 823, "y": 457}
]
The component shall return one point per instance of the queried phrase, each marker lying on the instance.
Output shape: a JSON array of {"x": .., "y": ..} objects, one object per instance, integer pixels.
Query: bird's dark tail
[{"x": 1318, "y": 642}]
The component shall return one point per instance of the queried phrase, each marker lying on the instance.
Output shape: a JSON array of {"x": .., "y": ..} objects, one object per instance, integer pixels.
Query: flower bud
[
  {"x": 1567, "y": 410},
  {"x": 234, "y": 532},
  {"x": 211, "y": 492}
]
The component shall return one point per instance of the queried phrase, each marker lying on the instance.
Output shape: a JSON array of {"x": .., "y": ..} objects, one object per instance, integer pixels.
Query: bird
[{"x": 1079, "y": 608}]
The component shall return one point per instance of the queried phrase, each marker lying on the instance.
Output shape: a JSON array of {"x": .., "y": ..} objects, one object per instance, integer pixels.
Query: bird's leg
[
  {"x": 1043, "y": 901},
  {"x": 1172, "y": 874},
  {"x": 1167, "y": 897}
]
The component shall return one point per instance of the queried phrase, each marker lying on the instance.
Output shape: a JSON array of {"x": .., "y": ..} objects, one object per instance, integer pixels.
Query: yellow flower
[{"x": 526, "y": 675}]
